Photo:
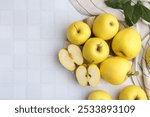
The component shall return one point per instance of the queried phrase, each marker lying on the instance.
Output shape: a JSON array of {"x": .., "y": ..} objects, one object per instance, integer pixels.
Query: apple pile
[{"x": 89, "y": 52}]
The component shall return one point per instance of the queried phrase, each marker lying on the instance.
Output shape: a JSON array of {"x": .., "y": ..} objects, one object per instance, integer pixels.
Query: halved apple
[
  {"x": 70, "y": 56},
  {"x": 88, "y": 75}
]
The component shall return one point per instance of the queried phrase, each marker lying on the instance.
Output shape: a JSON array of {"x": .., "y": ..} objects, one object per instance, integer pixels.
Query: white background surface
[{"x": 31, "y": 34}]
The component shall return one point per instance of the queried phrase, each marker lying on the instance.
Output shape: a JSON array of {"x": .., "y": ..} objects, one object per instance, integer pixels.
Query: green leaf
[
  {"x": 145, "y": 13},
  {"x": 128, "y": 21},
  {"x": 132, "y": 13},
  {"x": 118, "y": 4}
]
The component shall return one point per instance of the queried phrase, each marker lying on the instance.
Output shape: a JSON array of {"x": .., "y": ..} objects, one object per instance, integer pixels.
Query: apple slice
[
  {"x": 75, "y": 54},
  {"x": 94, "y": 75},
  {"x": 70, "y": 57},
  {"x": 148, "y": 57},
  {"x": 88, "y": 75}
]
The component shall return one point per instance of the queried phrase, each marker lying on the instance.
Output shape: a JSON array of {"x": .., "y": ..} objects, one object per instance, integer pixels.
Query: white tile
[
  {"x": 20, "y": 62},
  {"x": 6, "y": 62},
  {"x": 34, "y": 17},
  {"x": 6, "y": 32},
  {"x": 64, "y": 19},
  {"x": 34, "y": 62},
  {"x": 47, "y": 76},
  {"x": 47, "y": 17},
  {"x": 20, "y": 76},
  {"x": 48, "y": 31},
  {"x": 6, "y": 76},
  {"x": 34, "y": 4},
  {"x": 6, "y": 91},
  {"x": 61, "y": 8},
  {"x": 66, "y": 77},
  {"x": 33, "y": 33},
  {"x": 46, "y": 47},
  {"x": 59, "y": 28},
  {"x": 74, "y": 91},
  {"x": 6, "y": 4},
  {"x": 48, "y": 91},
  {"x": 20, "y": 4},
  {"x": 20, "y": 47},
  {"x": 19, "y": 92},
  {"x": 34, "y": 92},
  {"x": 20, "y": 17},
  {"x": 62, "y": 92},
  {"x": 6, "y": 17},
  {"x": 47, "y": 4},
  {"x": 54, "y": 60},
  {"x": 6, "y": 47},
  {"x": 34, "y": 48},
  {"x": 50, "y": 47},
  {"x": 20, "y": 32},
  {"x": 34, "y": 76},
  {"x": 46, "y": 62}
]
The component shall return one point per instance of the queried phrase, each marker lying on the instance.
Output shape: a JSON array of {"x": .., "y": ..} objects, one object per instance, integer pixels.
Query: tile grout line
[
  {"x": 13, "y": 50},
  {"x": 27, "y": 10},
  {"x": 40, "y": 69},
  {"x": 54, "y": 34}
]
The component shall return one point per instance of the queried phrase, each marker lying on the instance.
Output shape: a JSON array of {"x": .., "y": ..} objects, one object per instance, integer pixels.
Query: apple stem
[
  {"x": 136, "y": 98},
  {"x": 111, "y": 23},
  {"x": 99, "y": 47},
  {"x": 78, "y": 31}
]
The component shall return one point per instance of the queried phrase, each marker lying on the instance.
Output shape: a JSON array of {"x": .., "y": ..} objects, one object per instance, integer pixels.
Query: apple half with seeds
[
  {"x": 70, "y": 57},
  {"x": 88, "y": 75}
]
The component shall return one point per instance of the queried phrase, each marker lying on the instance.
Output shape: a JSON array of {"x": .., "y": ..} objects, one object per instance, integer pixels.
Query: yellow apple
[
  {"x": 99, "y": 95},
  {"x": 105, "y": 26},
  {"x": 95, "y": 50},
  {"x": 127, "y": 43},
  {"x": 115, "y": 70},
  {"x": 132, "y": 92},
  {"x": 78, "y": 32},
  {"x": 88, "y": 75}
]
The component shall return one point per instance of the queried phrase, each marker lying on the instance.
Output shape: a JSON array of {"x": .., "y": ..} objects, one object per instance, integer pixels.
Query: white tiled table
[{"x": 31, "y": 34}]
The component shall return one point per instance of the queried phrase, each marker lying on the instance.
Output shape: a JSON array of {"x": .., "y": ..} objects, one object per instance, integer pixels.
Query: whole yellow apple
[
  {"x": 105, "y": 26},
  {"x": 99, "y": 95},
  {"x": 132, "y": 92},
  {"x": 95, "y": 50},
  {"x": 127, "y": 43},
  {"x": 115, "y": 70},
  {"x": 78, "y": 32}
]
